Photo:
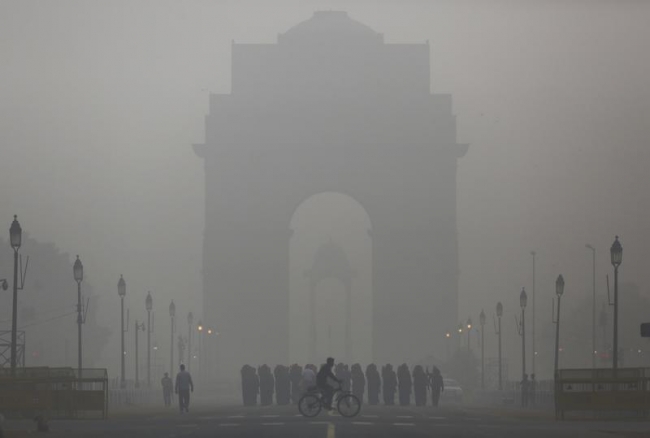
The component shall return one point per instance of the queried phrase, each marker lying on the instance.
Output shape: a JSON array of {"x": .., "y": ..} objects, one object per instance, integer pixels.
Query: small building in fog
[{"x": 330, "y": 108}]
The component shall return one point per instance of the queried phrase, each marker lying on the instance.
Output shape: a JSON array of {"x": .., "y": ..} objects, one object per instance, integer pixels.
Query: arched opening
[{"x": 330, "y": 286}]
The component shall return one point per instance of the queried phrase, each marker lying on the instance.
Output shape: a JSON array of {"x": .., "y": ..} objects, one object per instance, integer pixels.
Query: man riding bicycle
[{"x": 322, "y": 384}]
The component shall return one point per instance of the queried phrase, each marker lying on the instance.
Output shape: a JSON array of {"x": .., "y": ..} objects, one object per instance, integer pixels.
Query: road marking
[
  {"x": 235, "y": 416},
  {"x": 370, "y": 416},
  {"x": 438, "y": 418},
  {"x": 298, "y": 415},
  {"x": 404, "y": 416},
  {"x": 403, "y": 424},
  {"x": 270, "y": 416},
  {"x": 319, "y": 422},
  {"x": 331, "y": 430},
  {"x": 228, "y": 424},
  {"x": 363, "y": 423},
  {"x": 273, "y": 424}
]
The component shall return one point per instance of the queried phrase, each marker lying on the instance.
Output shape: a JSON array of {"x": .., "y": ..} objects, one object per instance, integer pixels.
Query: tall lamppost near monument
[
  {"x": 499, "y": 315},
  {"x": 482, "y": 322},
  {"x": 190, "y": 323},
  {"x": 78, "y": 272},
  {"x": 201, "y": 362},
  {"x": 469, "y": 330},
  {"x": 448, "y": 339},
  {"x": 138, "y": 327},
  {"x": 149, "y": 305},
  {"x": 15, "y": 239},
  {"x": 523, "y": 300},
  {"x": 616, "y": 253},
  {"x": 460, "y": 334},
  {"x": 121, "y": 291},
  {"x": 559, "y": 291},
  {"x": 172, "y": 316},
  {"x": 593, "y": 305}
]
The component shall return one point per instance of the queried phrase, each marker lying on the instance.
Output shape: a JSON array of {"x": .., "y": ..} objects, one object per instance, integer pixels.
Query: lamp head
[
  {"x": 523, "y": 298},
  {"x": 149, "y": 301},
  {"x": 15, "y": 234},
  {"x": 78, "y": 270},
  {"x": 616, "y": 253},
  {"x": 559, "y": 285},
  {"x": 481, "y": 317},
  {"x": 499, "y": 309},
  {"x": 172, "y": 309},
  {"x": 121, "y": 287}
]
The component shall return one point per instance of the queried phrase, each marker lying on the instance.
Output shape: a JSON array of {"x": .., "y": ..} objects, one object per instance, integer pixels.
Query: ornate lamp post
[
  {"x": 138, "y": 327},
  {"x": 523, "y": 300},
  {"x": 469, "y": 330},
  {"x": 78, "y": 271},
  {"x": 533, "y": 254},
  {"x": 559, "y": 291},
  {"x": 172, "y": 316},
  {"x": 448, "y": 338},
  {"x": 616, "y": 253},
  {"x": 121, "y": 291},
  {"x": 15, "y": 239},
  {"x": 190, "y": 323},
  {"x": 199, "y": 328},
  {"x": 482, "y": 322},
  {"x": 460, "y": 334},
  {"x": 499, "y": 315},
  {"x": 149, "y": 305}
]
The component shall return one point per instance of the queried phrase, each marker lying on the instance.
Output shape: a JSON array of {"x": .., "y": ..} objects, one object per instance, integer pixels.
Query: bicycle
[{"x": 347, "y": 404}]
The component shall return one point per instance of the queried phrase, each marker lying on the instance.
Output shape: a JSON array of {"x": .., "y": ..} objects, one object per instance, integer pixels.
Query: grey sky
[{"x": 100, "y": 102}]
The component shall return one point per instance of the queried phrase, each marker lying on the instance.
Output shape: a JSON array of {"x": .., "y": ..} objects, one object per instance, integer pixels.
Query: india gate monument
[{"x": 330, "y": 109}]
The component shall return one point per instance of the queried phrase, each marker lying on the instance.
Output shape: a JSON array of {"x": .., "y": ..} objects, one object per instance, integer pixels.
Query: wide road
[{"x": 380, "y": 421}]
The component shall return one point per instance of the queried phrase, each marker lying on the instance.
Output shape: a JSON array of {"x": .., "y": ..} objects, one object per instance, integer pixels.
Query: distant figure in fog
[
  {"x": 390, "y": 384},
  {"x": 282, "y": 385},
  {"x": 347, "y": 378},
  {"x": 358, "y": 381},
  {"x": 437, "y": 385},
  {"x": 308, "y": 377},
  {"x": 184, "y": 386},
  {"x": 295, "y": 376},
  {"x": 420, "y": 385},
  {"x": 339, "y": 372},
  {"x": 525, "y": 388},
  {"x": 250, "y": 385},
  {"x": 405, "y": 384},
  {"x": 533, "y": 390},
  {"x": 167, "y": 387},
  {"x": 374, "y": 384},
  {"x": 266, "y": 385}
]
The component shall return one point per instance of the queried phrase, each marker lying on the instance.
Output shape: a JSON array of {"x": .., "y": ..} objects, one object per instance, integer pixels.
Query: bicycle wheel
[
  {"x": 309, "y": 405},
  {"x": 348, "y": 405}
]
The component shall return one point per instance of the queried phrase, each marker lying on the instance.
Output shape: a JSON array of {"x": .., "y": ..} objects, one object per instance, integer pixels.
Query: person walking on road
[
  {"x": 184, "y": 385},
  {"x": 437, "y": 386},
  {"x": 167, "y": 387}
]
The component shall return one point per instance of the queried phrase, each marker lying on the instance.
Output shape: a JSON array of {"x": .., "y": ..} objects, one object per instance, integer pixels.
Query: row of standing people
[{"x": 288, "y": 383}]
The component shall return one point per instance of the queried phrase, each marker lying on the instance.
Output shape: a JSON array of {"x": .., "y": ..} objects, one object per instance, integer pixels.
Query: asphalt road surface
[{"x": 380, "y": 421}]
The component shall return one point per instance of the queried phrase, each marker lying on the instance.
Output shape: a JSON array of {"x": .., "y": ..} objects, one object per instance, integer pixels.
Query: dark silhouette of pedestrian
[
  {"x": 374, "y": 384},
  {"x": 390, "y": 384},
  {"x": 358, "y": 381},
  {"x": 282, "y": 385},
  {"x": 266, "y": 385},
  {"x": 249, "y": 385},
  {"x": 184, "y": 386},
  {"x": 295, "y": 376},
  {"x": 167, "y": 387},
  {"x": 420, "y": 385},
  {"x": 347, "y": 378},
  {"x": 525, "y": 388},
  {"x": 437, "y": 385},
  {"x": 405, "y": 384}
]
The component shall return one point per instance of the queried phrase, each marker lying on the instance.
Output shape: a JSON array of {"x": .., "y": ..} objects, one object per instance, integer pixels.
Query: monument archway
[
  {"x": 330, "y": 108},
  {"x": 330, "y": 289}
]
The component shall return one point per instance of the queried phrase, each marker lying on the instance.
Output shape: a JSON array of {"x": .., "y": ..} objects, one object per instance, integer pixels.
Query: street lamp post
[
  {"x": 533, "y": 254},
  {"x": 448, "y": 338},
  {"x": 149, "y": 305},
  {"x": 460, "y": 334},
  {"x": 15, "y": 238},
  {"x": 559, "y": 290},
  {"x": 172, "y": 315},
  {"x": 482, "y": 321},
  {"x": 593, "y": 306},
  {"x": 616, "y": 253},
  {"x": 523, "y": 300},
  {"x": 499, "y": 315},
  {"x": 190, "y": 323},
  {"x": 121, "y": 291},
  {"x": 138, "y": 327},
  {"x": 469, "y": 330},
  {"x": 200, "y": 352},
  {"x": 78, "y": 271}
]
